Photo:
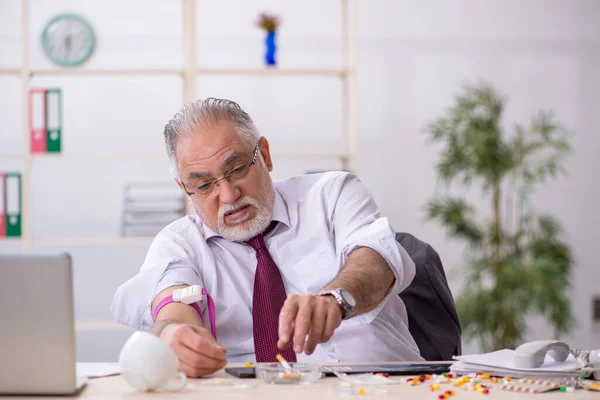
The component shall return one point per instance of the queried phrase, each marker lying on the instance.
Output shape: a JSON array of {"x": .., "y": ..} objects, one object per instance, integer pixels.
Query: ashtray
[{"x": 299, "y": 374}]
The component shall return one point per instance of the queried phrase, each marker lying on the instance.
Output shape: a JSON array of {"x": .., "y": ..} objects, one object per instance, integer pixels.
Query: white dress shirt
[{"x": 322, "y": 218}]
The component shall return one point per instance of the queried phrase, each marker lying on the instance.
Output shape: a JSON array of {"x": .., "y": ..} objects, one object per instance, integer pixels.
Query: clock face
[{"x": 68, "y": 40}]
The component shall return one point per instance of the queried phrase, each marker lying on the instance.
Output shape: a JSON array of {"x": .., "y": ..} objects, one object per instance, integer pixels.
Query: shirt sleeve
[
  {"x": 357, "y": 222},
  {"x": 170, "y": 261}
]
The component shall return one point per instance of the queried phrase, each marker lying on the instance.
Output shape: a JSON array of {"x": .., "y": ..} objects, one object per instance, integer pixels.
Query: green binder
[
  {"x": 12, "y": 191},
  {"x": 54, "y": 119}
]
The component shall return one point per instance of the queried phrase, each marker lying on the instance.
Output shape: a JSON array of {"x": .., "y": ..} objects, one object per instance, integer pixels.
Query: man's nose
[{"x": 228, "y": 192}]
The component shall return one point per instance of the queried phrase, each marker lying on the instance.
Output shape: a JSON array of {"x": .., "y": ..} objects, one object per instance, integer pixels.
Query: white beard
[
  {"x": 247, "y": 229},
  {"x": 250, "y": 228}
]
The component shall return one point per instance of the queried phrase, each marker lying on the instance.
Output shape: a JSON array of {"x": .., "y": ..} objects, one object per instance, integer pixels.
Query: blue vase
[{"x": 271, "y": 48}]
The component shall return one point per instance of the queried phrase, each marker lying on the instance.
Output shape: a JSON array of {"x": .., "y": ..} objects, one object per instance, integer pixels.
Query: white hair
[{"x": 202, "y": 113}]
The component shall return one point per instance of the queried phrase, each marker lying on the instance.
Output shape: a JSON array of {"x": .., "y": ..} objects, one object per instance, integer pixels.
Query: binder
[
  {"x": 2, "y": 203},
  {"x": 54, "y": 120},
  {"x": 12, "y": 193},
  {"x": 37, "y": 120}
]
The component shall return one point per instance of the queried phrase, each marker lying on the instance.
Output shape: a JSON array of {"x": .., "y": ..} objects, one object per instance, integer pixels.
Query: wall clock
[{"x": 68, "y": 40}]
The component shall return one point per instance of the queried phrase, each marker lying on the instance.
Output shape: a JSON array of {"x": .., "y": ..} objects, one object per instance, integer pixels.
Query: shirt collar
[
  {"x": 280, "y": 211},
  {"x": 280, "y": 214}
]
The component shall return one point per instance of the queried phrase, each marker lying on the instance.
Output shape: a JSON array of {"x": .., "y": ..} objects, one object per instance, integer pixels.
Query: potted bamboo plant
[{"x": 516, "y": 262}]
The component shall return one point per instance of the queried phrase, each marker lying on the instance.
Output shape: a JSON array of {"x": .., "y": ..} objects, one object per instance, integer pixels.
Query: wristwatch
[{"x": 344, "y": 299}]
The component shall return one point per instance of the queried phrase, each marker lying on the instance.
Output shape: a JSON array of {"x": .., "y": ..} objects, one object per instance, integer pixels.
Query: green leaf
[{"x": 457, "y": 216}]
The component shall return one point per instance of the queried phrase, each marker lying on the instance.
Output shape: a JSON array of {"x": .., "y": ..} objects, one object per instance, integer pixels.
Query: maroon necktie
[{"x": 268, "y": 299}]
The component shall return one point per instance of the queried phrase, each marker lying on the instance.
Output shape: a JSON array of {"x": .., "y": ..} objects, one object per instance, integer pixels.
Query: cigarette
[{"x": 286, "y": 366}]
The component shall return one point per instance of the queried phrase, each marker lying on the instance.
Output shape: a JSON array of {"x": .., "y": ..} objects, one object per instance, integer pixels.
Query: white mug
[{"x": 147, "y": 363}]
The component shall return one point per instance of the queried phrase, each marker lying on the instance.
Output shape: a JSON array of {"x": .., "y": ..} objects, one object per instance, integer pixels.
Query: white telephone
[
  {"x": 595, "y": 361},
  {"x": 532, "y": 354}
]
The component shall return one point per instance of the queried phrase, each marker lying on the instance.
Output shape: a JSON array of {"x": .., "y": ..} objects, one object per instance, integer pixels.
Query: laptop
[
  {"x": 37, "y": 329},
  {"x": 390, "y": 369}
]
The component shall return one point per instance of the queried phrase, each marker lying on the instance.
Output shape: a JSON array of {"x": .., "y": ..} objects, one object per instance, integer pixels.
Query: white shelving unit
[{"x": 189, "y": 72}]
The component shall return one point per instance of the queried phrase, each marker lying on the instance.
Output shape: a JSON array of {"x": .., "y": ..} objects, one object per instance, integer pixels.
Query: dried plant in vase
[
  {"x": 516, "y": 263},
  {"x": 269, "y": 23}
]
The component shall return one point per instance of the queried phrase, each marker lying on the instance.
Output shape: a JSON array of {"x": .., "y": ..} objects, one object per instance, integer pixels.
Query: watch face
[
  {"x": 348, "y": 298},
  {"x": 68, "y": 40}
]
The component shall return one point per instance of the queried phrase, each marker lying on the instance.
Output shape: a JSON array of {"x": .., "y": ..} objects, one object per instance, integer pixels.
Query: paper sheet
[
  {"x": 502, "y": 363},
  {"x": 504, "y": 359},
  {"x": 97, "y": 370}
]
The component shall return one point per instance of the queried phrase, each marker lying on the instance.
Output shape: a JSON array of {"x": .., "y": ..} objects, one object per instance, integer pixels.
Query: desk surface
[{"x": 116, "y": 387}]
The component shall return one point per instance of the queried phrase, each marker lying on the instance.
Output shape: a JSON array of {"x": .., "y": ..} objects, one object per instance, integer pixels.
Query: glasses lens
[{"x": 239, "y": 172}]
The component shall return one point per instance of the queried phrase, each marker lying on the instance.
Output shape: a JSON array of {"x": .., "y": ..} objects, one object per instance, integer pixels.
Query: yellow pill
[
  {"x": 507, "y": 378},
  {"x": 361, "y": 391},
  {"x": 434, "y": 387},
  {"x": 248, "y": 364},
  {"x": 486, "y": 376}
]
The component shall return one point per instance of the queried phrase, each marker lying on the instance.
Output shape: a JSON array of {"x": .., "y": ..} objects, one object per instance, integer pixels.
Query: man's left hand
[{"x": 315, "y": 316}]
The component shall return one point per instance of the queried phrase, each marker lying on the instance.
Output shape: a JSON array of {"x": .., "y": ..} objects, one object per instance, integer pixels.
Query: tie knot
[{"x": 257, "y": 242}]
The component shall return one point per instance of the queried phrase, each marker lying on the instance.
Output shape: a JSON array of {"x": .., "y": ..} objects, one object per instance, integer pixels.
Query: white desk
[{"x": 115, "y": 387}]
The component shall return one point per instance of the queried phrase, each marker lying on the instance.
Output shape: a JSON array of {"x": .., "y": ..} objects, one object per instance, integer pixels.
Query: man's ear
[
  {"x": 265, "y": 152},
  {"x": 178, "y": 182}
]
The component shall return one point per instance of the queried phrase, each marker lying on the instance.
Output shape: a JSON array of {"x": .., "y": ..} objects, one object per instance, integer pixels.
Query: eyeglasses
[{"x": 204, "y": 189}]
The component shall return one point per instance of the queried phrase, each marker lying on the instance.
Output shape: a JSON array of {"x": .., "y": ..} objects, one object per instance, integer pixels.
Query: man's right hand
[{"x": 198, "y": 352}]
